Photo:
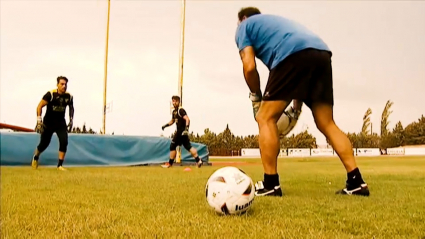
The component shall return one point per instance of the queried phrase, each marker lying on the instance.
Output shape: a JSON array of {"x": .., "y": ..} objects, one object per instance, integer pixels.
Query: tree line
[
  {"x": 412, "y": 134},
  {"x": 226, "y": 143}
]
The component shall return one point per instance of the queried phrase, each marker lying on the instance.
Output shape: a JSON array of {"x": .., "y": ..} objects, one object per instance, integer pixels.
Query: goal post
[{"x": 181, "y": 60}]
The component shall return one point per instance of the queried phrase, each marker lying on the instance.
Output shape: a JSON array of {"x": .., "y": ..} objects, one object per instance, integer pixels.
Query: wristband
[
  {"x": 38, "y": 118},
  {"x": 254, "y": 97}
]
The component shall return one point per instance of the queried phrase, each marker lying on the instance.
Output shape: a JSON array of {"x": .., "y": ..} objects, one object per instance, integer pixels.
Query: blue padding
[{"x": 93, "y": 150}]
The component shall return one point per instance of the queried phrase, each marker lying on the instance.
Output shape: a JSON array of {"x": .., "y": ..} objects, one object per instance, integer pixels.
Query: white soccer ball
[
  {"x": 230, "y": 191},
  {"x": 285, "y": 124}
]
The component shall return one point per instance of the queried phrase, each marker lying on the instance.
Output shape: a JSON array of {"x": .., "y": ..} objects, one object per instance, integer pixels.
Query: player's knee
[
  {"x": 63, "y": 144},
  {"x": 63, "y": 148},
  {"x": 323, "y": 117},
  {"x": 188, "y": 147},
  {"x": 263, "y": 119},
  {"x": 267, "y": 117},
  {"x": 41, "y": 147},
  {"x": 193, "y": 151},
  {"x": 173, "y": 147},
  {"x": 323, "y": 126},
  {"x": 44, "y": 143},
  {"x": 270, "y": 112}
]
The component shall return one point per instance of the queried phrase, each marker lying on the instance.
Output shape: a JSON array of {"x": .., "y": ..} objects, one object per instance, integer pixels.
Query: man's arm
[
  {"x": 247, "y": 54},
  {"x": 168, "y": 124},
  {"x": 40, "y": 107},
  {"x": 184, "y": 115},
  {"x": 187, "y": 120},
  {"x": 43, "y": 102},
  {"x": 71, "y": 108},
  {"x": 71, "y": 113},
  {"x": 186, "y": 129},
  {"x": 250, "y": 72}
]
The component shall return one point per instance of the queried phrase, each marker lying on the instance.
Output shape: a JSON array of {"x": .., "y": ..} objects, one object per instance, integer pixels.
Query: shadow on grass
[{"x": 251, "y": 212}]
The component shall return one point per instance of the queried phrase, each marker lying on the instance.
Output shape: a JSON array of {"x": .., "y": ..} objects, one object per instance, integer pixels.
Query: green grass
[{"x": 152, "y": 202}]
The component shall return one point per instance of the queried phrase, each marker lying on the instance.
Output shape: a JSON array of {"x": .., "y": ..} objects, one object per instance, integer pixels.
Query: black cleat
[
  {"x": 199, "y": 163},
  {"x": 260, "y": 190},
  {"x": 361, "y": 190}
]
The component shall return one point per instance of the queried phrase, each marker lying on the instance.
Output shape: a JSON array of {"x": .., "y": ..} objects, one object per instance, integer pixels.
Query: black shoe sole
[
  {"x": 275, "y": 193},
  {"x": 364, "y": 191}
]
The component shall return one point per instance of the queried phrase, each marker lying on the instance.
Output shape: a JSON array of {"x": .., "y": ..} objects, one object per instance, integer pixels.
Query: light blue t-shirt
[{"x": 274, "y": 38}]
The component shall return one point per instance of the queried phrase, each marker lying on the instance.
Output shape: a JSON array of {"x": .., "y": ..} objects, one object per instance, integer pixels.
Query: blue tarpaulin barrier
[{"x": 17, "y": 148}]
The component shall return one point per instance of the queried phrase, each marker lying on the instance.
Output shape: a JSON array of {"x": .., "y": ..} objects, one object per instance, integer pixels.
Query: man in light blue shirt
[{"x": 300, "y": 68}]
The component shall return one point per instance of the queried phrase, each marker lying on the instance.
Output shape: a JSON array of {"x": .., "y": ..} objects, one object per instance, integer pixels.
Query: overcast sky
[{"x": 378, "y": 55}]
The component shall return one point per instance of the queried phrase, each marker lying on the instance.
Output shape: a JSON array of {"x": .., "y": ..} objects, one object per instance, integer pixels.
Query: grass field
[{"x": 152, "y": 202}]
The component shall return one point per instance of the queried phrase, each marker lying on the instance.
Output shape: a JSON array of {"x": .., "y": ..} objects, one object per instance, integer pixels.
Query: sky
[{"x": 378, "y": 55}]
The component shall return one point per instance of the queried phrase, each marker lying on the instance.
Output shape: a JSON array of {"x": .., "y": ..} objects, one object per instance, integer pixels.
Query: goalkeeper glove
[
  {"x": 294, "y": 114},
  {"x": 165, "y": 126},
  {"x": 39, "y": 128},
  {"x": 70, "y": 124},
  {"x": 186, "y": 131},
  {"x": 256, "y": 102}
]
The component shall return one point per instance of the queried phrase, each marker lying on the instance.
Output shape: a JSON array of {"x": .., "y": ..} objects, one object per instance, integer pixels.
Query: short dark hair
[
  {"x": 175, "y": 97},
  {"x": 62, "y": 78},
  {"x": 247, "y": 12}
]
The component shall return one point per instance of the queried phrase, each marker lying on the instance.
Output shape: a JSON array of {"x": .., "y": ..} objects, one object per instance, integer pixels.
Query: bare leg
[
  {"x": 268, "y": 115},
  {"x": 173, "y": 154},
  {"x": 62, "y": 155},
  {"x": 195, "y": 155},
  {"x": 193, "y": 152},
  {"x": 323, "y": 116}
]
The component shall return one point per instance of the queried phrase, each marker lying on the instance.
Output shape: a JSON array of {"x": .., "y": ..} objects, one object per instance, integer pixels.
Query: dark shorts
[
  {"x": 179, "y": 140},
  {"x": 61, "y": 131},
  {"x": 305, "y": 75}
]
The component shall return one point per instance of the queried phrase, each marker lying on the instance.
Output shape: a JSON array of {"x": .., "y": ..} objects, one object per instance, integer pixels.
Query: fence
[{"x": 308, "y": 152}]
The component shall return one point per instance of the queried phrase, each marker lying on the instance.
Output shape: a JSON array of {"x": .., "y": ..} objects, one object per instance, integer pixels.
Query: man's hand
[
  {"x": 165, "y": 126},
  {"x": 186, "y": 131},
  {"x": 70, "y": 124},
  {"x": 250, "y": 72},
  {"x": 39, "y": 128},
  {"x": 256, "y": 102},
  {"x": 294, "y": 114}
]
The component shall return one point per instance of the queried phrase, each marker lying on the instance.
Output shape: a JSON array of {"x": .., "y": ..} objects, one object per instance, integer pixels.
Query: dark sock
[
  {"x": 271, "y": 180},
  {"x": 60, "y": 162},
  {"x": 171, "y": 161},
  {"x": 355, "y": 177},
  {"x": 197, "y": 159},
  {"x": 35, "y": 157}
]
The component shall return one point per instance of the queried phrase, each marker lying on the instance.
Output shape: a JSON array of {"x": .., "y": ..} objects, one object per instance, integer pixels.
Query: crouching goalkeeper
[{"x": 300, "y": 67}]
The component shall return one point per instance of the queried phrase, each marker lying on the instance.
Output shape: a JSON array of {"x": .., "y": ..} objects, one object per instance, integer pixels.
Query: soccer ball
[
  {"x": 230, "y": 191},
  {"x": 285, "y": 124}
]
